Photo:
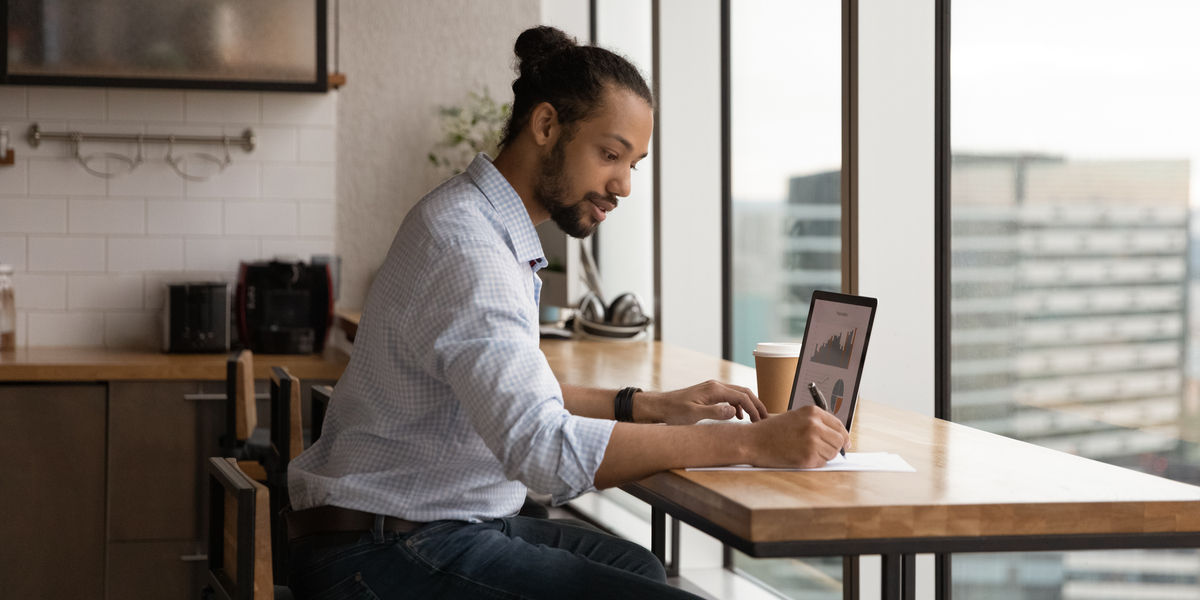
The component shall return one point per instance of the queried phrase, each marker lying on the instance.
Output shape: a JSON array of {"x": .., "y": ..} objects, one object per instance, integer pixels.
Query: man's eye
[{"x": 611, "y": 156}]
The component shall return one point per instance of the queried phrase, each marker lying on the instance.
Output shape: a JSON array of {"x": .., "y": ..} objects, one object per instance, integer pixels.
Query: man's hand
[
  {"x": 701, "y": 401},
  {"x": 807, "y": 438}
]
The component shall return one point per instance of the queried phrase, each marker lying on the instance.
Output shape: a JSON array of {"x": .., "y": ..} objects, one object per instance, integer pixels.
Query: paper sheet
[{"x": 853, "y": 461}]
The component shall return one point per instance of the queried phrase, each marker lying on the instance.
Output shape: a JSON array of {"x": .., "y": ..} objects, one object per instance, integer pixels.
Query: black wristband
[{"x": 623, "y": 404}]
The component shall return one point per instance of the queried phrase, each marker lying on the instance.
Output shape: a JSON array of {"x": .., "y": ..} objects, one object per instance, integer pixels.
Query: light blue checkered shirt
[{"x": 448, "y": 409}]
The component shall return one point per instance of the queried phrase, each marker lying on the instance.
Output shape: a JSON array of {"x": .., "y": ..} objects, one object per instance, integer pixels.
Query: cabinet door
[
  {"x": 155, "y": 571},
  {"x": 52, "y": 491},
  {"x": 158, "y": 442}
]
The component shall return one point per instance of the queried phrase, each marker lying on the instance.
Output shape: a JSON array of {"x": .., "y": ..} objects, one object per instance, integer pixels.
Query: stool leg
[{"x": 658, "y": 535}]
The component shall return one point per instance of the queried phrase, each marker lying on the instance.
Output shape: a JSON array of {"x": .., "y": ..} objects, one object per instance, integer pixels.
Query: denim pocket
[{"x": 350, "y": 588}]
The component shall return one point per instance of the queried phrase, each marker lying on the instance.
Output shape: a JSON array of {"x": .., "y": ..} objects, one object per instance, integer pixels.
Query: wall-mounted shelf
[{"x": 265, "y": 45}]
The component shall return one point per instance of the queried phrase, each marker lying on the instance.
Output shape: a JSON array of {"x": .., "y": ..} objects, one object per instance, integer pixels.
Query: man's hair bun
[
  {"x": 552, "y": 67},
  {"x": 537, "y": 43}
]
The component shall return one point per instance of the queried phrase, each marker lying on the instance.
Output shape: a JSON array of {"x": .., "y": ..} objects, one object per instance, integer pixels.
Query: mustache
[{"x": 593, "y": 196}]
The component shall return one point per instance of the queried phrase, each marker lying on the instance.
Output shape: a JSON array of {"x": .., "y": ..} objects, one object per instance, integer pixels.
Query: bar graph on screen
[{"x": 837, "y": 350}]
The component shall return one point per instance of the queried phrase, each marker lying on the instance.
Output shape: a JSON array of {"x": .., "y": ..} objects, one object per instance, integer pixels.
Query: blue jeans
[{"x": 515, "y": 557}]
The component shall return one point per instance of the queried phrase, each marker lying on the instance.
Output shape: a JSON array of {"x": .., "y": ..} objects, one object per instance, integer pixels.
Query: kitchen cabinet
[
  {"x": 52, "y": 442},
  {"x": 103, "y": 480},
  {"x": 277, "y": 45},
  {"x": 158, "y": 447}
]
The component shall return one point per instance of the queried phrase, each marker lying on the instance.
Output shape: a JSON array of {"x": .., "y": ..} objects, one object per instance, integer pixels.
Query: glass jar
[{"x": 8, "y": 310}]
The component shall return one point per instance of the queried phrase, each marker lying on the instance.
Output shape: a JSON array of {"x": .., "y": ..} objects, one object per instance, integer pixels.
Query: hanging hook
[
  {"x": 179, "y": 163},
  {"x": 130, "y": 164}
]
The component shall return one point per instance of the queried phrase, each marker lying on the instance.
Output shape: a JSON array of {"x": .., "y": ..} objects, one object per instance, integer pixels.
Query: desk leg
[
  {"x": 658, "y": 534},
  {"x": 899, "y": 581},
  {"x": 850, "y": 577},
  {"x": 658, "y": 540}
]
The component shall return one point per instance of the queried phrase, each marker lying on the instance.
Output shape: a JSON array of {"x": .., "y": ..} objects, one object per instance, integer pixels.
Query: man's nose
[{"x": 620, "y": 185}]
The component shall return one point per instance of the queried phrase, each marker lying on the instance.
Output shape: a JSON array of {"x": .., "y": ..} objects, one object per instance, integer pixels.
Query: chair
[
  {"x": 287, "y": 433},
  {"x": 321, "y": 394},
  {"x": 241, "y": 416},
  {"x": 239, "y": 539},
  {"x": 286, "y": 444}
]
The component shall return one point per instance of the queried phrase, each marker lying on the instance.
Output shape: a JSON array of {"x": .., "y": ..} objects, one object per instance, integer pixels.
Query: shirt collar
[{"x": 526, "y": 245}]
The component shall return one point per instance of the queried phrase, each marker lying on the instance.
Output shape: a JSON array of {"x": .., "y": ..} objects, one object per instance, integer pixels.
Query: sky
[
  {"x": 1089, "y": 79},
  {"x": 786, "y": 70},
  {"x": 1094, "y": 79}
]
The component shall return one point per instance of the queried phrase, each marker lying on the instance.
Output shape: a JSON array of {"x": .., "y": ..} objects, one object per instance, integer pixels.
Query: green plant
[{"x": 467, "y": 130}]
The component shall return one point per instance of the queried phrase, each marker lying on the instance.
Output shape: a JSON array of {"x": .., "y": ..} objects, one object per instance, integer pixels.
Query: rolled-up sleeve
[{"x": 474, "y": 327}]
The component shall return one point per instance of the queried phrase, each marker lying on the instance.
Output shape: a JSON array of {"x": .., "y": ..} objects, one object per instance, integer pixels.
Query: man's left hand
[{"x": 708, "y": 400}]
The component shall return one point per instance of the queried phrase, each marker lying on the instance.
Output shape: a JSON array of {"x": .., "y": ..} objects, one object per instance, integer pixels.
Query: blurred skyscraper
[
  {"x": 1069, "y": 330},
  {"x": 783, "y": 252}
]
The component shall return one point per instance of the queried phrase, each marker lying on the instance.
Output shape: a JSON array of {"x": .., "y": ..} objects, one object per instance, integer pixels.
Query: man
[{"x": 448, "y": 411}]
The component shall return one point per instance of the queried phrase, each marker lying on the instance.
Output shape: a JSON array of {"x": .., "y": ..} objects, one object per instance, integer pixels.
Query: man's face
[{"x": 581, "y": 178}]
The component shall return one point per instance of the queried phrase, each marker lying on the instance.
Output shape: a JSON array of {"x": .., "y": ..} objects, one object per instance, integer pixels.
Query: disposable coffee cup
[{"x": 776, "y": 367}]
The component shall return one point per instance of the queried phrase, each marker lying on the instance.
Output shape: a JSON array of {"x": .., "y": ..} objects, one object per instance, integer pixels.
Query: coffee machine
[{"x": 284, "y": 307}]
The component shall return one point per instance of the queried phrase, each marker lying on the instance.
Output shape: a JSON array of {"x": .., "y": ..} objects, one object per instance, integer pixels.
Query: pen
[{"x": 819, "y": 399}]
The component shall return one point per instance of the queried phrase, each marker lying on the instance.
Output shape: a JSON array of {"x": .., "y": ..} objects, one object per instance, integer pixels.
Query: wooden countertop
[
  {"x": 967, "y": 482},
  {"x": 97, "y": 364},
  {"x": 648, "y": 365}
]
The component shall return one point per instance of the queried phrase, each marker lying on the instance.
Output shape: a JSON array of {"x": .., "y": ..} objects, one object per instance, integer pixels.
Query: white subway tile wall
[
  {"x": 90, "y": 215},
  {"x": 92, "y": 254},
  {"x": 17, "y": 180},
  {"x": 48, "y": 292},
  {"x": 12, "y": 250}
]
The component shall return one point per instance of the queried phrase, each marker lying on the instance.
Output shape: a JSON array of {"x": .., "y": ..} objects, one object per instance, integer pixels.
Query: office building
[
  {"x": 783, "y": 252},
  {"x": 1069, "y": 284}
]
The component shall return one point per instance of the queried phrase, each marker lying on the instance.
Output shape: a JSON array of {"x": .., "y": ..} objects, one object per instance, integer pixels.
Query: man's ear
[{"x": 543, "y": 124}]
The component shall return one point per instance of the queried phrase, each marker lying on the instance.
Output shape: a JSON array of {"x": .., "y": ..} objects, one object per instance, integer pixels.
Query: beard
[{"x": 551, "y": 194}]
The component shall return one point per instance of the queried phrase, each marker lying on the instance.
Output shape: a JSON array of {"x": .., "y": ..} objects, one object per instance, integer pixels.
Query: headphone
[{"x": 623, "y": 319}]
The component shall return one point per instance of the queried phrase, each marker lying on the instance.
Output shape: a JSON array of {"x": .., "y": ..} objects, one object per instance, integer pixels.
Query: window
[
  {"x": 786, "y": 145},
  {"x": 786, "y": 150},
  {"x": 1074, "y": 151}
]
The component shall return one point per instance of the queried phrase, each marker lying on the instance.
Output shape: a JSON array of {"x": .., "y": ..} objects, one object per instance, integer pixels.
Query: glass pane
[
  {"x": 786, "y": 151},
  {"x": 817, "y": 578},
  {"x": 1075, "y": 141},
  {"x": 259, "y": 40},
  {"x": 787, "y": 143}
]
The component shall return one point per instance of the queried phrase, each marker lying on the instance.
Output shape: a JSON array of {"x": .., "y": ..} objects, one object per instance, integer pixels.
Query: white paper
[{"x": 853, "y": 461}]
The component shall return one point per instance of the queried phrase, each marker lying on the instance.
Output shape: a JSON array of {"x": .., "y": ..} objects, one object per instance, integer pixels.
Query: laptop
[{"x": 834, "y": 351}]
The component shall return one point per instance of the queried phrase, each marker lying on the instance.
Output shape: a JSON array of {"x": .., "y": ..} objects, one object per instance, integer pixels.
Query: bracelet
[{"x": 623, "y": 404}]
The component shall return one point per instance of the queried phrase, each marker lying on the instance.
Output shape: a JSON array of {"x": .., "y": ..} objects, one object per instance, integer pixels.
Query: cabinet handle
[
  {"x": 218, "y": 397},
  {"x": 203, "y": 397},
  {"x": 193, "y": 557}
]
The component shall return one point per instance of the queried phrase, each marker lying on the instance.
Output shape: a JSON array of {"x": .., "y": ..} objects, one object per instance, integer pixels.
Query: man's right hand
[{"x": 807, "y": 438}]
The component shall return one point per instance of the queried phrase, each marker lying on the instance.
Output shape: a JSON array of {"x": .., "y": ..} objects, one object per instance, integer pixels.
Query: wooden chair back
[
  {"x": 321, "y": 394},
  {"x": 239, "y": 534},
  {"x": 287, "y": 433},
  {"x": 241, "y": 412},
  {"x": 287, "y": 441}
]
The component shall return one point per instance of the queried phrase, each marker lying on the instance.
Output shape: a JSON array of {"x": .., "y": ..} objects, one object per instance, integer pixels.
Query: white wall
[
  {"x": 895, "y": 202},
  {"x": 690, "y": 100},
  {"x": 895, "y": 215},
  {"x": 403, "y": 60},
  {"x": 626, "y": 238},
  {"x": 92, "y": 254}
]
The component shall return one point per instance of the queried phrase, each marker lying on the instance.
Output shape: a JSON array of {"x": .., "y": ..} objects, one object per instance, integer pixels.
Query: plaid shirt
[{"x": 448, "y": 409}]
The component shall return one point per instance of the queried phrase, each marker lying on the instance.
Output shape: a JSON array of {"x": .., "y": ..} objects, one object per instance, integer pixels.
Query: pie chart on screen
[{"x": 839, "y": 391}]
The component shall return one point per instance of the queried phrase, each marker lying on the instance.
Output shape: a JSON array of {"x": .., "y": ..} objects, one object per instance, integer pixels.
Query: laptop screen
[{"x": 835, "y": 347}]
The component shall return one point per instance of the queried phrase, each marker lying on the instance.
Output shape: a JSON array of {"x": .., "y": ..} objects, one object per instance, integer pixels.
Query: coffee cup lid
[{"x": 772, "y": 350}]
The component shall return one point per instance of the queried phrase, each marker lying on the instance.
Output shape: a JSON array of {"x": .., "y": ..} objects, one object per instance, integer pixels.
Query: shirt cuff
[{"x": 584, "y": 443}]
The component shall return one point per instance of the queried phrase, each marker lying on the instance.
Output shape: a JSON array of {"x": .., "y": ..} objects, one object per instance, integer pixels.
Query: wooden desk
[{"x": 973, "y": 491}]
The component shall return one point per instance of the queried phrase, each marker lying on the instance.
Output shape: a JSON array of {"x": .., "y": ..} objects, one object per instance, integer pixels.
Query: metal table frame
[{"x": 898, "y": 577}]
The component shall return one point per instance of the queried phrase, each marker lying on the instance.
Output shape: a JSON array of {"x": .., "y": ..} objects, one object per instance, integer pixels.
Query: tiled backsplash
[{"x": 92, "y": 254}]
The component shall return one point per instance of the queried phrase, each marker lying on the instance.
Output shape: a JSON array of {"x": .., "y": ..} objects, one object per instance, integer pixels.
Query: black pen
[{"x": 819, "y": 399}]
